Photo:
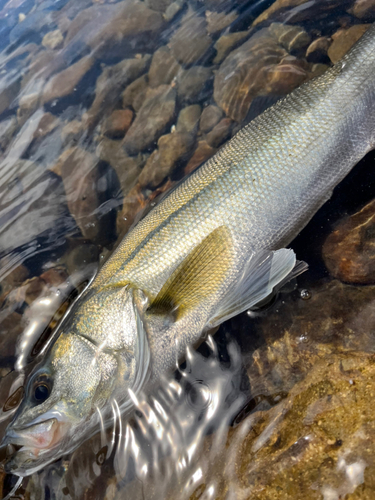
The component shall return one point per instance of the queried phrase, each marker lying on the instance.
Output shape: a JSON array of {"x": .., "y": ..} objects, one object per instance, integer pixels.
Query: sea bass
[{"x": 211, "y": 249}]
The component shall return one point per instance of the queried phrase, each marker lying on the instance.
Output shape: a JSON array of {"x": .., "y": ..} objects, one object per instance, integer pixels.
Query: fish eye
[{"x": 41, "y": 390}]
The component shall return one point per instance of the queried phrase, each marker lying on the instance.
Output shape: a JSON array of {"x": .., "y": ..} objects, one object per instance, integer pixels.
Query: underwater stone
[
  {"x": 210, "y": 117},
  {"x": 217, "y": 21},
  {"x": 152, "y": 120},
  {"x": 226, "y": 43},
  {"x": 363, "y": 9},
  {"x": 344, "y": 39},
  {"x": 118, "y": 123},
  {"x": 173, "y": 149},
  {"x": 173, "y": 10},
  {"x": 158, "y": 5},
  {"x": 192, "y": 84},
  {"x": 133, "y": 95},
  {"x": 258, "y": 67},
  {"x": 349, "y": 251},
  {"x": 53, "y": 40},
  {"x": 220, "y": 133},
  {"x": 190, "y": 43},
  {"x": 71, "y": 132},
  {"x": 65, "y": 82},
  {"x": 202, "y": 153},
  {"x": 318, "y": 49},
  {"x": 164, "y": 67},
  {"x": 188, "y": 119},
  {"x": 290, "y": 37}
]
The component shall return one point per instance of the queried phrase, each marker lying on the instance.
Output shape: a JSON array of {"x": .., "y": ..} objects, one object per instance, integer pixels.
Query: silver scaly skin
[{"x": 211, "y": 249}]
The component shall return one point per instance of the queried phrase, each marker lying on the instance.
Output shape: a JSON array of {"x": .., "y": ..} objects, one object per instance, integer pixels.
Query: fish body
[{"x": 211, "y": 249}]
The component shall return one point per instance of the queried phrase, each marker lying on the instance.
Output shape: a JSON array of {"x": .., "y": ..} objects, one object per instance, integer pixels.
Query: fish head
[{"x": 91, "y": 368}]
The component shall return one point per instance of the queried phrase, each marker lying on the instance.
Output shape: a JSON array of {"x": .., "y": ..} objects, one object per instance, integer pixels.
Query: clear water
[{"x": 278, "y": 404}]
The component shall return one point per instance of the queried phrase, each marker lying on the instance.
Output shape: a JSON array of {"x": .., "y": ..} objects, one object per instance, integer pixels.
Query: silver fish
[{"x": 210, "y": 250}]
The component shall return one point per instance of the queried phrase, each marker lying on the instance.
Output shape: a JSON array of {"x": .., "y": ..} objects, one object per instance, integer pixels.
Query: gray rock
[
  {"x": 211, "y": 116},
  {"x": 190, "y": 43},
  {"x": 193, "y": 82},
  {"x": 188, "y": 119},
  {"x": 217, "y": 21},
  {"x": 159, "y": 5},
  {"x": 164, "y": 67},
  {"x": 220, "y": 133},
  {"x": 151, "y": 121},
  {"x": 173, "y": 10}
]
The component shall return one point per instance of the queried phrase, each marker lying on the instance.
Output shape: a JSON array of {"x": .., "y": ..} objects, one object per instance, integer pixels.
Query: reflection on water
[{"x": 104, "y": 106}]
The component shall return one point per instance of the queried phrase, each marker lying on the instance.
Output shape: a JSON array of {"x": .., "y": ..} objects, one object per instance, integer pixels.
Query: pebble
[
  {"x": 158, "y": 5},
  {"x": 46, "y": 125},
  {"x": 172, "y": 151},
  {"x": 364, "y": 9},
  {"x": 210, "y": 117},
  {"x": 202, "y": 153},
  {"x": 151, "y": 121},
  {"x": 53, "y": 40},
  {"x": 188, "y": 119},
  {"x": 226, "y": 43},
  {"x": 349, "y": 251},
  {"x": 292, "y": 38},
  {"x": 28, "y": 104},
  {"x": 317, "y": 52},
  {"x": 134, "y": 94},
  {"x": 71, "y": 132},
  {"x": 173, "y": 9},
  {"x": 164, "y": 67},
  {"x": 220, "y": 133},
  {"x": 344, "y": 39},
  {"x": 65, "y": 82},
  {"x": 217, "y": 21},
  {"x": 190, "y": 43},
  {"x": 118, "y": 123},
  {"x": 193, "y": 84}
]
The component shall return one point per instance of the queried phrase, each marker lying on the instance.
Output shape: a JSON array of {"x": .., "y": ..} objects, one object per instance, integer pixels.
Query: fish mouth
[{"x": 37, "y": 438}]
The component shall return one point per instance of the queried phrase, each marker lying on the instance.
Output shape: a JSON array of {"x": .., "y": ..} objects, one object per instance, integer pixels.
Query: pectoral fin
[
  {"x": 262, "y": 273},
  {"x": 197, "y": 277}
]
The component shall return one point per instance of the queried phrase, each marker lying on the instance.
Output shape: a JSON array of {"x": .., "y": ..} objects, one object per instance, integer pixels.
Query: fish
[{"x": 214, "y": 247}]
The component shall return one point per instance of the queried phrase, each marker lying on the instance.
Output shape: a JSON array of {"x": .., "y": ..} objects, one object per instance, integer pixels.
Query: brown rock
[
  {"x": 227, "y": 43},
  {"x": 116, "y": 125},
  {"x": 202, "y": 153},
  {"x": 363, "y": 9},
  {"x": 188, "y": 119},
  {"x": 116, "y": 29},
  {"x": 46, "y": 125},
  {"x": 8, "y": 92},
  {"x": 344, "y": 39},
  {"x": 134, "y": 94},
  {"x": 65, "y": 82},
  {"x": 127, "y": 168},
  {"x": 53, "y": 40},
  {"x": 349, "y": 252},
  {"x": 217, "y": 21},
  {"x": 173, "y": 10},
  {"x": 210, "y": 117},
  {"x": 290, "y": 37},
  {"x": 27, "y": 105},
  {"x": 190, "y": 43},
  {"x": 173, "y": 150},
  {"x": 192, "y": 83},
  {"x": 71, "y": 132},
  {"x": 133, "y": 203},
  {"x": 318, "y": 49},
  {"x": 164, "y": 67},
  {"x": 158, "y": 5},
  {"x": 152, "y": 120},
  {"x": 220, "y": 133},
  {"x": 78, "y": 169},
  {"x": 258, "y": 67},
  {"x": 54, "y": 276},
  {"x": 110, "y": 84}
]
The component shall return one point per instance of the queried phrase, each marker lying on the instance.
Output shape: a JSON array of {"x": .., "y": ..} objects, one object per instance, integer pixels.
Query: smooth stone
[
  {"x": 173, "y": 149},
  {"x": 173, "y": 9},
  {"x": 164, "y": 67},
  {"x": 344, "y": 39},
  {"x": 79, "y": 172},
  {"x": 190, "y": 43},
  {"x": 9, "y": 90},
  {"x": 220, "y": 133},
  {"x": 65, "y": 82},
  {"x": 53, "y": 40},
  {"x": 260, "y": 66},
  {"x": 217, "y": 21},
  {"x": 188, "y": 119},
  {"x": 132, "y": 205},
  {"x": 158, "y": 5},
  {"x": 202, "y": 153},
  {"x": 349, "y": 251},
  {"x": 192, "y": 83},
  {"x": 110, "y": 84},
  {"x": 317, "y": 51},
  {"x": 292, "y": 38},
  {"x": 71, "y": 133},
  {"x": 363, "y": 9},
  {"x": 211, "y": 115},
  {"x": 151, "y": 121},
  {"x": 118, "y": 123},
  {"x": 134, "y": 94},
  {"x": 28, "y": 104},
  {"x": 228, "y": 42},
  {"x": 46, "y": 125},
  {"x": 126, "y": 167}
]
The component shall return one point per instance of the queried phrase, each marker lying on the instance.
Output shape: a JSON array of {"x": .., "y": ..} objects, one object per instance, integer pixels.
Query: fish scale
[{"x": 210, "y": 250}]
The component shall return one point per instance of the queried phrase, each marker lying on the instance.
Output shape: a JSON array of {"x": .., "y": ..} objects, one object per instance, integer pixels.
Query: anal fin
[{"x": 264, "y": 272}]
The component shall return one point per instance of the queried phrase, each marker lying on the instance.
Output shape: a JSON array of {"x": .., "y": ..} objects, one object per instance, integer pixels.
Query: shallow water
[{"x": 99, "y": 117}]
